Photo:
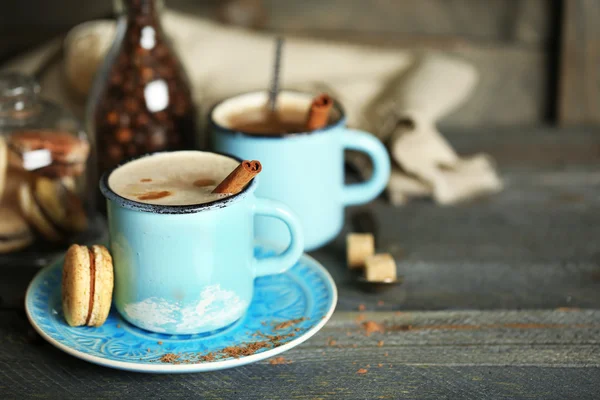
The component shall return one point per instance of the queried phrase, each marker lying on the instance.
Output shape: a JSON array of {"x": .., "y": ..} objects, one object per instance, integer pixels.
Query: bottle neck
[{"x": 146, "y": 9}]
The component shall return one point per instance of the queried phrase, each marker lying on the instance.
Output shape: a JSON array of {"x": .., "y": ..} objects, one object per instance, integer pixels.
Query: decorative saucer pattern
[{"x": 286, "y": 310}]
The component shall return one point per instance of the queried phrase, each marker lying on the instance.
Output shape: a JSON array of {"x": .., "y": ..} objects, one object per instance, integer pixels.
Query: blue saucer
[{"x": 286, "y": 310}]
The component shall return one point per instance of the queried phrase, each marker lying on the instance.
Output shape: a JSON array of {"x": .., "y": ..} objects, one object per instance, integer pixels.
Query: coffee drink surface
[
  {"x": 249, "y": 114},
  {"x": 260, "y": 121},
  {"x": 175, "y": 178}
]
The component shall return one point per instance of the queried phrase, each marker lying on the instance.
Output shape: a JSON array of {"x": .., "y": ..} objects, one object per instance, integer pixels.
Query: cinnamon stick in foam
[
  {"x": 237, "y": 180},
  {"x": 318, "y": 115}
]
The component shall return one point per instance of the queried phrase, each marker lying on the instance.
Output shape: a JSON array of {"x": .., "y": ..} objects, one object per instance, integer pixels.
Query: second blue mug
[{"x": 303, "y": 170}]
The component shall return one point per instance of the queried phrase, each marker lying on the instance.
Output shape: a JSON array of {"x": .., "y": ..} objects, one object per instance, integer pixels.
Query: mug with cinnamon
[
  {"x": 182, "y": 243},
  {"x": 301, "y": 147}
]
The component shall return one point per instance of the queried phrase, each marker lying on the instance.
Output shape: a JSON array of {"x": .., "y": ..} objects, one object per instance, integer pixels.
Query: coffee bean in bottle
[{"x": 141, "y": 100}]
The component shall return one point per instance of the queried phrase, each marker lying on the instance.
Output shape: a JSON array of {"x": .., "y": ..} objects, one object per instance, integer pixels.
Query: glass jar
[
  {"x": 141, "y": 101},
  {"x": 43, "y": 172}
]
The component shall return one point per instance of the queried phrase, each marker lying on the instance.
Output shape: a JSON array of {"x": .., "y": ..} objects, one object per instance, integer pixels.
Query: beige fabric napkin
[
  {"x": 426, "y": 159},
  {"x": 433, "y": 87}
]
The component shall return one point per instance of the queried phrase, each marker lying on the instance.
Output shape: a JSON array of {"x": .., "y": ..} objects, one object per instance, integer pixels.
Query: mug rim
[
  {"x": 223, "y": 129},
  {"x": 123, "y": 202}
]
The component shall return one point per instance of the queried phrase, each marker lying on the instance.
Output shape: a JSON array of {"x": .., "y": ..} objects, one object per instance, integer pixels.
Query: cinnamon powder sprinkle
[
  {"x": 207, "y": 358},
  {"x": 287, "y": 324},
  {"x": 154, "y": 195},
  {"x": 372, "y": 327},
  {"x": 361, "y": 371},
  {"x": 275, "y": 339},
  {"x": 568, "y": 309},
  {"x": 279, "y": 361},
  {"x": 204, "y": 182},
  {"x": 244, "y": 350},
  {"x": 169, "y": 358}
]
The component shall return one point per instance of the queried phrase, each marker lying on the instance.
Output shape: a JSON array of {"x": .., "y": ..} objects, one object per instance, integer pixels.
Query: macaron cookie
[
  {"x": 87, "y": 285},
  {"x": 14, "y": 231}
]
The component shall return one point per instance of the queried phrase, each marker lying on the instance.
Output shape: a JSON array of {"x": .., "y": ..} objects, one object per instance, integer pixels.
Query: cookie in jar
[{"x": 44, "y": 157}]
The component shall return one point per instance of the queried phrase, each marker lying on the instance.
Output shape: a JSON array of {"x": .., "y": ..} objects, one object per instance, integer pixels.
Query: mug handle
[
  {"x": 284, "y": 261},
  {"x": 364, "y": 192}
]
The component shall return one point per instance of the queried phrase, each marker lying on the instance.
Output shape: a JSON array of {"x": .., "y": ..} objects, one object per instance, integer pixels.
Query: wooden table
[{"x": 501, "y": 300}]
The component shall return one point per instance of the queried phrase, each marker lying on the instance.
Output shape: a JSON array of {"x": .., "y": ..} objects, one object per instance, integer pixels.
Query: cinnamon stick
[
  {"x": 318, "y": 115},
  {"x": 237, "y": 180}
]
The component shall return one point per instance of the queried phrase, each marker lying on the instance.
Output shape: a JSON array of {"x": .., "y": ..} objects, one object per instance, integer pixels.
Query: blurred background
[{"x": 530, "y": 53}]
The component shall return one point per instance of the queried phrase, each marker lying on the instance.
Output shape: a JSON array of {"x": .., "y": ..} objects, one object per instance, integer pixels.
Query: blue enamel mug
[
  {"x": 188, "y": 269},
  {"x": 303, "y": 170}
]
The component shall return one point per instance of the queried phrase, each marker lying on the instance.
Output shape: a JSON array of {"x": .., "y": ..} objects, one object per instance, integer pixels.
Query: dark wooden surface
[
  {"x": 443, "y": 355},
  {"x": 532, "y": 249}
]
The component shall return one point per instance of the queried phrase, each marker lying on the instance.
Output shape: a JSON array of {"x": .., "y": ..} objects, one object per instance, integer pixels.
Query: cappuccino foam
[{"x": 175, "y": 178}]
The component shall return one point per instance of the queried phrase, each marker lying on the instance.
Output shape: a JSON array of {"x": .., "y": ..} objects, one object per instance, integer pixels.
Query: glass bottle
[
  {"x": 44, "y": 159},
  {"x": 141, "y": 100}
]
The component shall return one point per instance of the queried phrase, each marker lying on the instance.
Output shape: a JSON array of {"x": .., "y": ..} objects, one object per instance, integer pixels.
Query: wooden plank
[
  {"x": 579, "y": 80},
  {"x": 519, "y": 249},
  {"x": 502, "y": 21},
  {"x": 526, "y": 247},
  {"x": 499, "y": 21},
  {"x": 430, "y": 355}
]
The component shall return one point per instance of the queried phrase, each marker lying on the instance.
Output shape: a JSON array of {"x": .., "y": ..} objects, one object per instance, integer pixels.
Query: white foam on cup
[{"x": 145, "y": 179}]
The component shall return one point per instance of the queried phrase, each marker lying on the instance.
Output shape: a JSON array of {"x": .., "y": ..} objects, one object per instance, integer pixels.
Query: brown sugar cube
[
  {"x": 359, "y": 247},
  {"x": 380, "y": 268}
]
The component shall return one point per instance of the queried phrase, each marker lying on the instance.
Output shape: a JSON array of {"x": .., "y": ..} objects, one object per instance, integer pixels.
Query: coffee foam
[
  {"x": 175, "y": 178},
  {"x": 294, "y": 105}
]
